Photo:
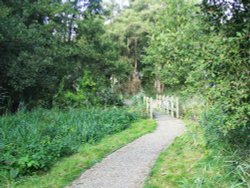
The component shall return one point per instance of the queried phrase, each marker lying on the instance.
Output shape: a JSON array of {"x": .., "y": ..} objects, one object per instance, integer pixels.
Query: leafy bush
[
  {"x": 31, "y": 142},
  {"x": 81, "y": 95},
  {"x": 217, "y": 128},
  {"x": 212, "y": 121},
  {"x": 86, "y": 92}
]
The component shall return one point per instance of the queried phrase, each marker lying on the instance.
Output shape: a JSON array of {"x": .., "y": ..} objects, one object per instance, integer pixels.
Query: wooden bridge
[{"x": 162, "y": 103}]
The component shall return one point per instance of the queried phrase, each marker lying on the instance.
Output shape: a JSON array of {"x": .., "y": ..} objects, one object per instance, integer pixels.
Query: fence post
[
  {"x": 177, "y": 108},
  {"x": 158, "y": 101},
  {"x": 169, "y": 104},
  {"x": 166, "y": 104},
  {"x": 172, "y": 106},
  {"x": 161, "y": 103},
  {"x": 151, "y": 108}
]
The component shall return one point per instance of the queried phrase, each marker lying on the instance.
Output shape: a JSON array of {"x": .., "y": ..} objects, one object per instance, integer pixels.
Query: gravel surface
[{"x": 129, "y": 166}]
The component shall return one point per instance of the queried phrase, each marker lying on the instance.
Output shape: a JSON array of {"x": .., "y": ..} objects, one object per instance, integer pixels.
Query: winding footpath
[{"x": 129, "y": 166}]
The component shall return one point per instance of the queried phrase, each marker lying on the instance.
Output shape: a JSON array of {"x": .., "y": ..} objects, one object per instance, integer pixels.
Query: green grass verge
[
  {"x": 69, "y": 168},
  {"x": 188, "y": 163}
]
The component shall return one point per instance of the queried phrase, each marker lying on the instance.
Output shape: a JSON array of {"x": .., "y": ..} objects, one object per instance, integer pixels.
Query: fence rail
[{"x": 168, "y": 104}]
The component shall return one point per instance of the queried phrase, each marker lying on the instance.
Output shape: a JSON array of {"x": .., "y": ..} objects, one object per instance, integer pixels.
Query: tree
[
  {"x": 44, "y": 42},
  {"x": 172, "y": 44},
  {"x": 189, "y": 50},
  {"x": 131, "y": 29},
  {"x": 231, "y": 16}
]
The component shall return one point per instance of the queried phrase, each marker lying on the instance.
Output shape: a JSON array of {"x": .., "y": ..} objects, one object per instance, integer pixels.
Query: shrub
[
  {"x": 217, "y": 128},
  {"x": 85, "y": 92},
  {"x": 212, "y": 121}
]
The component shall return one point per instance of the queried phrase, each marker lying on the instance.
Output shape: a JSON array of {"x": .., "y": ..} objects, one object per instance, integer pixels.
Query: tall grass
[
  {"x": 189, "y": 162},
  {"x": 33, "y": 141},
  {"x": 69, "y": 168}
]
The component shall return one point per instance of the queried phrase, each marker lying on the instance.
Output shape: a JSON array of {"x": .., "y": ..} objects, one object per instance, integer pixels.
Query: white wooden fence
[{"x": 168, "y": 104}]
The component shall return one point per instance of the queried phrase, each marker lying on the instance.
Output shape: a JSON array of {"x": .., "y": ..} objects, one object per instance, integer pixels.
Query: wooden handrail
[{"x": 168, "y": 104}]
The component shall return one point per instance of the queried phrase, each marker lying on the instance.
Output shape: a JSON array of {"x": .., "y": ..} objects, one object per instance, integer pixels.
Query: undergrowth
[
  {"x": 33, "y": 141},
  {"x": 69, "y": 168}
]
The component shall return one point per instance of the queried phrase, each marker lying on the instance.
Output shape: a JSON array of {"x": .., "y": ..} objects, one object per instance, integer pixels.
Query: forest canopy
[{"x": 48, "y": 46}]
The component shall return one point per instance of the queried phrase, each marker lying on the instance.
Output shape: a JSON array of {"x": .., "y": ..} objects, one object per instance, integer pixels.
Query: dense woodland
[{"x": 56, "y": 55}]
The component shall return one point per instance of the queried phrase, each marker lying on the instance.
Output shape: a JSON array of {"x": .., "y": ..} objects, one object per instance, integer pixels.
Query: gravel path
[{"x": 129, "y": 166}]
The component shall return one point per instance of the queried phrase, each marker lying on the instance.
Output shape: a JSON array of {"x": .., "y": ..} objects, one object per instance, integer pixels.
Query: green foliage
[
  {"x": 171, "y": 46},
  {"x": 44, "y": 42},
  {"x": 31, "y": 142},
  {"x": 229, "y": 16},
  {"x": 225, "y": 82},
  {"x": 186, "y": 50},
  {"x": 188, "y": 162},
  {"x": 213, "y": 121},
  {"x": 69, "y": 168},
  {"x": 137, "y": 105},
  {"x": 54, "y": 53},
  {"x": 86, "y": 92},
  {"x": 131, "y": 29},
  {"x": 216, "y": 124}
]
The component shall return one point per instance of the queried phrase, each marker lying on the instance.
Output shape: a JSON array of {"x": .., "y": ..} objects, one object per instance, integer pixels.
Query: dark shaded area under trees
[{"x": 44, "y": 43}]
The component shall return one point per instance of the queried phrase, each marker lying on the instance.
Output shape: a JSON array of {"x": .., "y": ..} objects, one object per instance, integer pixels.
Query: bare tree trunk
[
  {"x": 135, "y": 56},
  {"x": 134, "y": 82},
  {"x": 159, "y": 87}
]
